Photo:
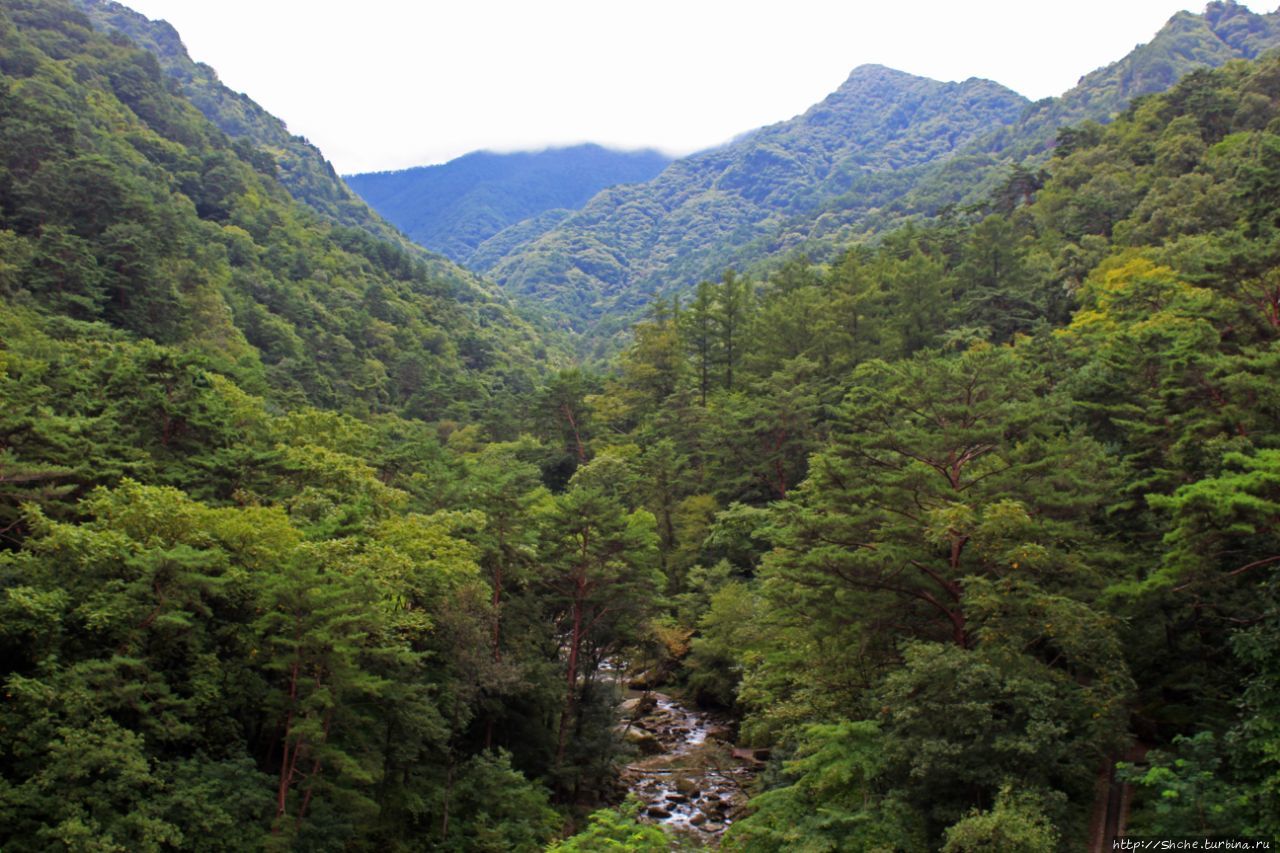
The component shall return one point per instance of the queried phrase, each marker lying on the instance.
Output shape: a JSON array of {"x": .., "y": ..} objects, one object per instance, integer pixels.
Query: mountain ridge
[
  {"x": 1186, "y": 42},
  {"x": 583, "y": 264},
  {"x": 141, "y": 214},
  {"x": 734, "y": 193},
  {"x": 300, "y": 166},
  {"x": 453, "y": 207},
  {"x": 303, "y": 168}
]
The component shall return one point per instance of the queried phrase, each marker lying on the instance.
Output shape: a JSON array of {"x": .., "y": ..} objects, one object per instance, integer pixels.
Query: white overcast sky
[{"x": 386, "y": 84}]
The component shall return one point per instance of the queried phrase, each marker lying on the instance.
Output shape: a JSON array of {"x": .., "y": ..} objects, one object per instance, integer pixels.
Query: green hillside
[
  {"x": 302, "y": 168},
  {"x": 632, "y": 242},
  {"x": 1225, "y": 31},
  {"x": 884, "y": 148},
  {"x": 299, "y": 166},
  {"x": 991, "y": 507},
  {"x": 192, "y": 241}
]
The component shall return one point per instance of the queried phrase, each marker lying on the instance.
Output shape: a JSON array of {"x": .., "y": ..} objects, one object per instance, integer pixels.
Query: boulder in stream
[
  {"x": 646, "y": 743},
  {"x": 720, "y": 733},
  {"x": 639, "y": 706},
  {"x": 646, "y": 680}
]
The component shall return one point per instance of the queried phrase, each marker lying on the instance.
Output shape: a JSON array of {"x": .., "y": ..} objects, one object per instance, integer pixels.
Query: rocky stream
[{"x": 687, "y": 772}]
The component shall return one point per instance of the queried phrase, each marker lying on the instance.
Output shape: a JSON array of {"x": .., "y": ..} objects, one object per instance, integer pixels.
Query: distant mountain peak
[
  {"x": 872, "y": 72},
  {"x": 454, "y": 207},
  {"x": 694, "y": 217},
  {"x": 875, "y": 69}
]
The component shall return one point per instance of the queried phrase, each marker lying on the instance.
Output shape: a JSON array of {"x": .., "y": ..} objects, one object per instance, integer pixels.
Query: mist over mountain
[{"x": 454, "y": 207}]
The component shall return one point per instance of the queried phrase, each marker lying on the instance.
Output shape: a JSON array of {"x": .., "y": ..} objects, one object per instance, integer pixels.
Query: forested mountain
[
  {"x": 631, "y": 242},
  {"x": 960, "y": 533},
  {"x": 300, "y": 166},
  {"x": 975, "y": 514},
  {"x": 306, "y": 173},
  {"x": 454, "y": 207},
  {"x": 885, "y": 147},
  {"x": 124, "y": 205},
  {"x": 264, "y": 395},
  {"x": 1224, "y": 32}
]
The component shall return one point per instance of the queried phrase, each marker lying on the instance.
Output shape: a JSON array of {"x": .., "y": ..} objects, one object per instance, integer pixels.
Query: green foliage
[
  {"x": 615, "y": 829},
  {"x": 499, "y": 810},
  {"x": 136, "y": 211},
  {"x": 960, "y": 724},
  {"x": 1015, "y": 824},
  {"x": 1254, "y": 758},
  {"x": 264, "y": 140},
  {"x": 296, "y": 556},
  {"x": 715, "y": 207},
  {"x": 946, "y": 468},
  {"x": 884, "y": 149},
  {"x": 1150, "y": 429},
  {"x": 726, "y": 633},
  {"x": 1185, "y": 792},
  {"x": 599, "y": 570},
  {"x": 832, "y": 799},
  {"x": 1223, "y": 521}
]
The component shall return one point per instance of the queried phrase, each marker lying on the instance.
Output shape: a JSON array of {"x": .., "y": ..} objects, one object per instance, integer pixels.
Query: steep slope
[
  {"x": 884, "y": 148},
  {"x": 121, "y": 204},
  {"x": 1225, "y": 31},
  {"x": 631, "y": 242},
  {"x": 303, "y": 169},
  {"x": 299, "y": 165},
  {"x": 454, "y": 207}
]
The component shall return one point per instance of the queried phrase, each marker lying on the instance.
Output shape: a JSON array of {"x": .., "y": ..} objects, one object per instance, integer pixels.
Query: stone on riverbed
[
  {"x": 645, "y": 742},
  {"x": 720, "y": 733},
  {"x": 683, "y": 776},
  {"x": 639, "y": 706},
  {"x": 646, "y": 680}
]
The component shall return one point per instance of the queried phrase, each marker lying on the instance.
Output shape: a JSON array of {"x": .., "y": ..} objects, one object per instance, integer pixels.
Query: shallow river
[{"x": 686, "y": 772}]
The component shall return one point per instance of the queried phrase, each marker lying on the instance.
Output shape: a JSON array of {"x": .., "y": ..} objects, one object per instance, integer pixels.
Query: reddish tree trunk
[
  {"x": 571, "y": 675},
  {"x": 577, "y": 438},
  {"x": 290, "y": 756}
]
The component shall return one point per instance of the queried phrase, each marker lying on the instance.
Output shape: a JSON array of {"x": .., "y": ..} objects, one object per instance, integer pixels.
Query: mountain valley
[{"x": 904, "y": 475}]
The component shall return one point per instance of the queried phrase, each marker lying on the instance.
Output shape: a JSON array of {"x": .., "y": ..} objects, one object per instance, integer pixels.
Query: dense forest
[{"x": 309, "y": 541}]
